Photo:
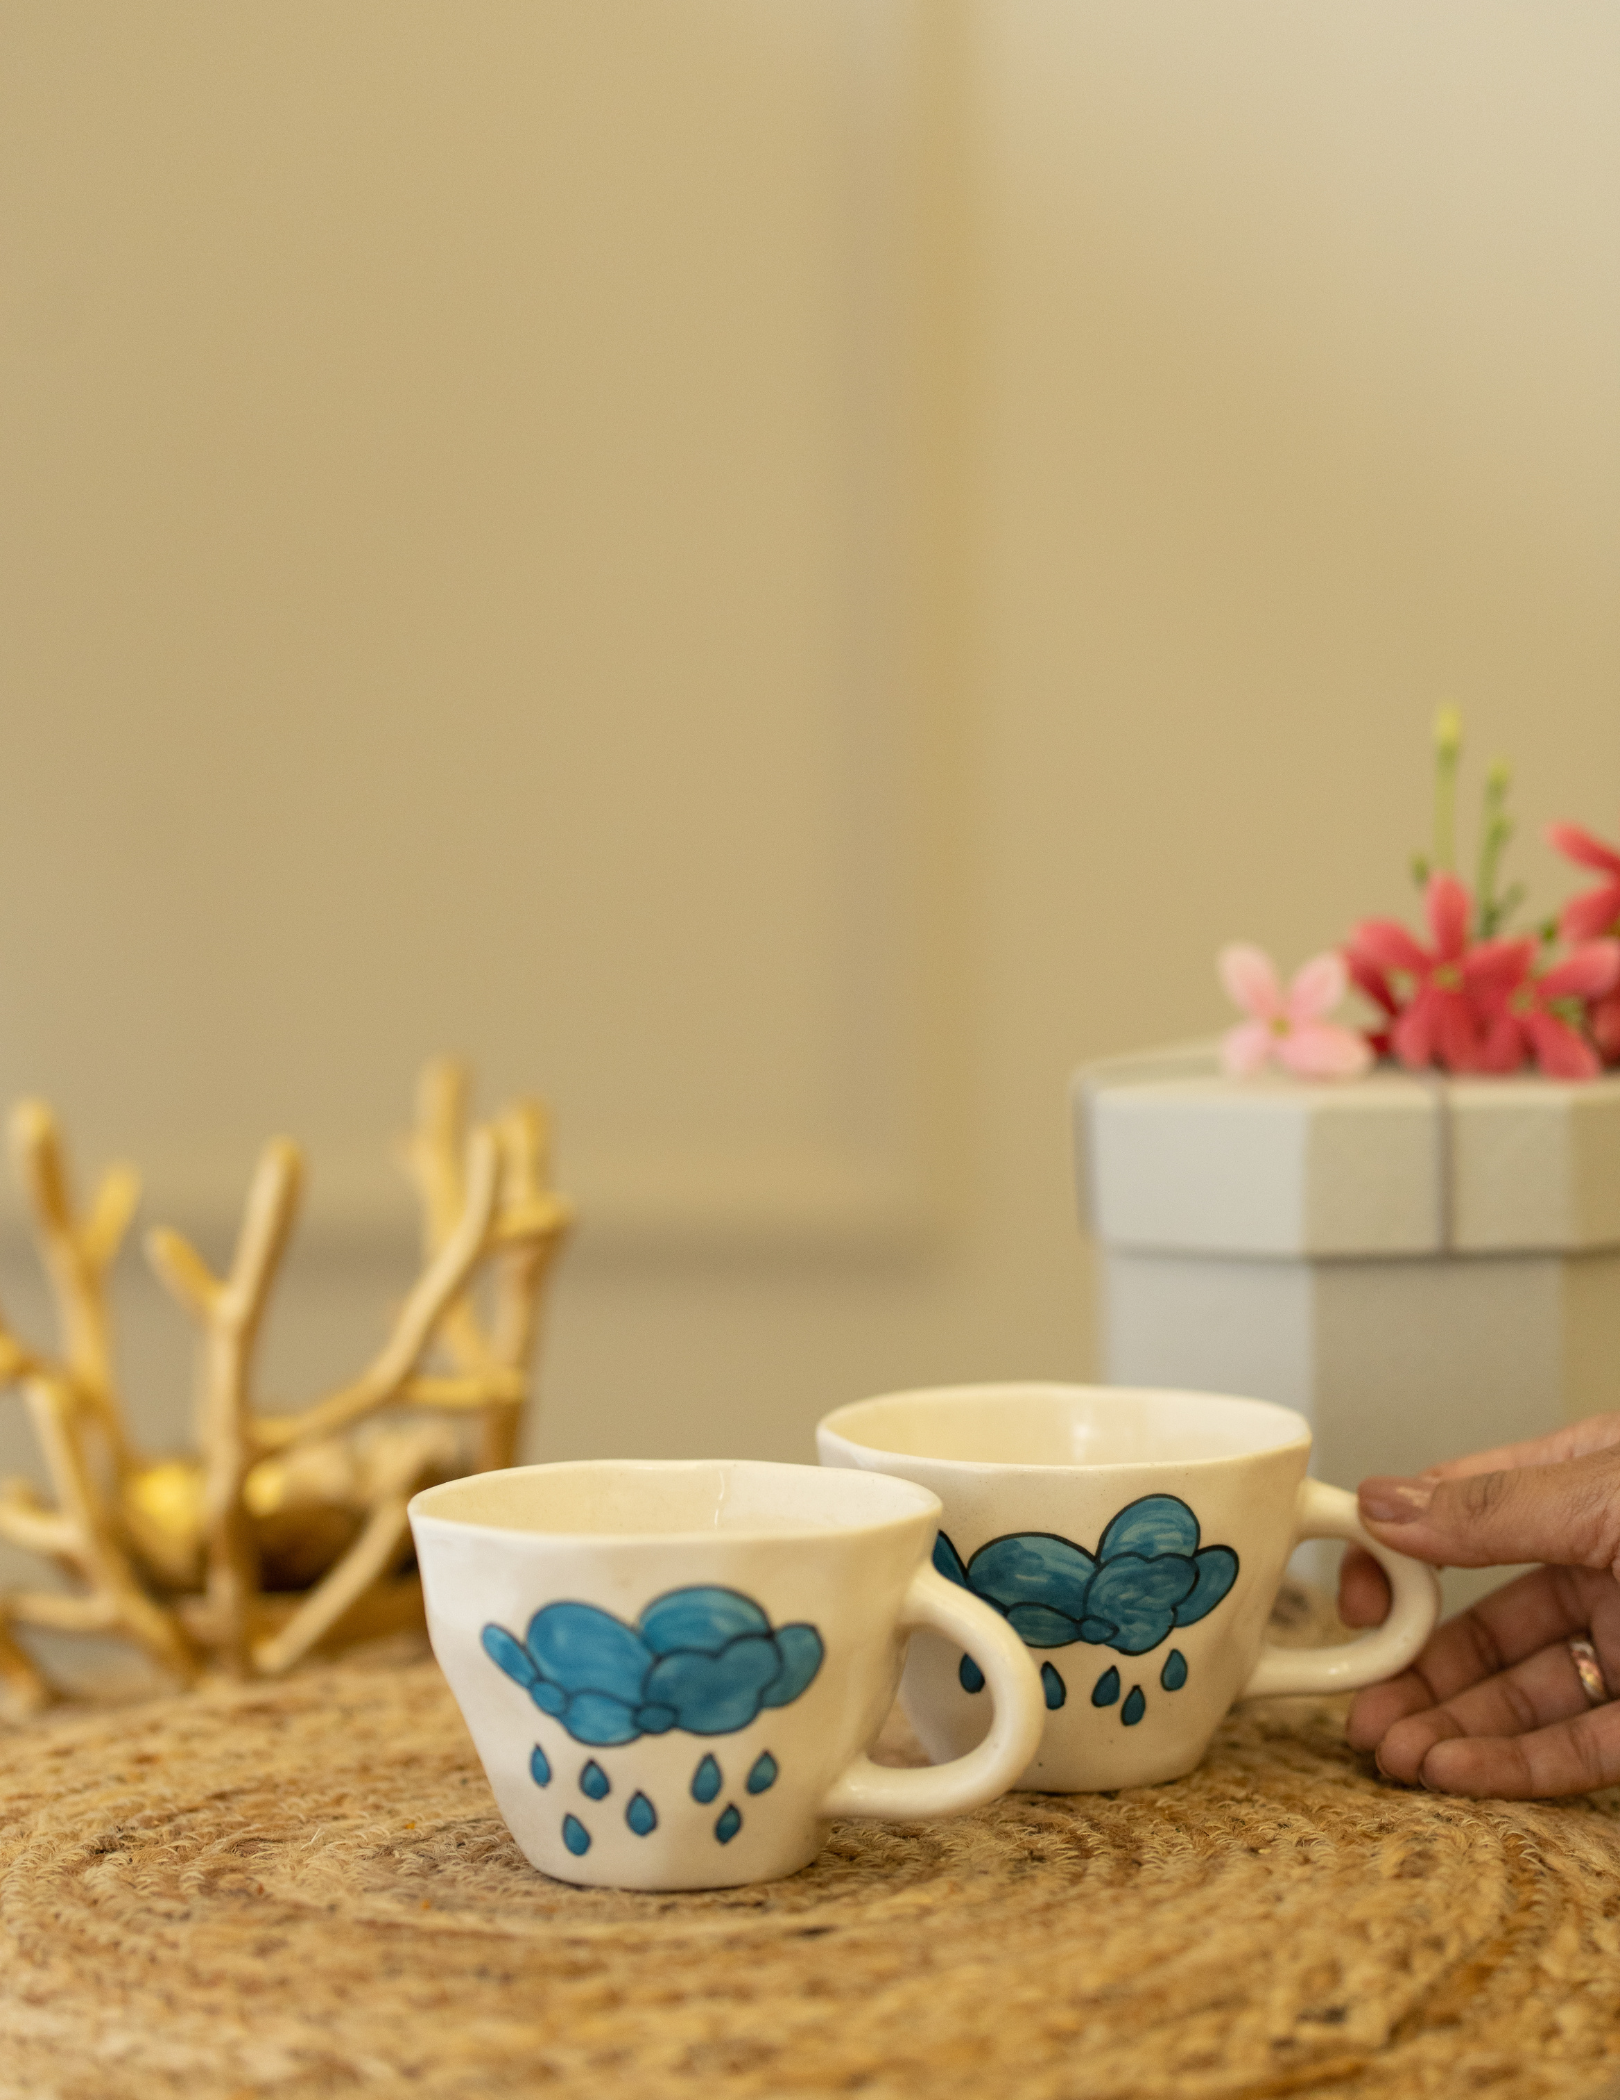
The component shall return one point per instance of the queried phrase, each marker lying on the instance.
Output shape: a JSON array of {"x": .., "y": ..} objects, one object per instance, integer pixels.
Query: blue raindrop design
[
  {"x": 539, "y": 1767},
  {"x": 763, "y": 1776},
  {"x": 576, "y": 1837},
  {"x": 1106, "y": 1690},
  {"x": 728, "y": 1824},
  {"x": 594, "y": 1781},
  {"x": 1053, "y": 1686},
  {"x": 1134, "y": 1708},
  {"x": 969, "y": 1675},
  {"x": 706, "y": 1781},
  {"x": 1174, "y": 1674},
  {"x": 641, "y": 1815}
]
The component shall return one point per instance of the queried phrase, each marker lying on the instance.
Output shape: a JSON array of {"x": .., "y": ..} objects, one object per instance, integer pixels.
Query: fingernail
[
  {"x": 1432, "y": 1783},
  {"x": 1391, "y": 1501}
]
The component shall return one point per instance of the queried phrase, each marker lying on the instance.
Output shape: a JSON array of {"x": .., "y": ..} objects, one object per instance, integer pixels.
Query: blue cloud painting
[
  {"x": 1148, "y": 1575},
  {"x": 704, "y": 1659}
]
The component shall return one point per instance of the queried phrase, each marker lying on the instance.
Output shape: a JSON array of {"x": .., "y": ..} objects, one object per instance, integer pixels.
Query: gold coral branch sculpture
[{"x": 283, "y": 1532}]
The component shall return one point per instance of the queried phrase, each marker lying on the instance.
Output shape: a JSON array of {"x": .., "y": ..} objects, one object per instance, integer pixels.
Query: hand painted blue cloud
[
  {"x": 1147, "y": 1576},
  {"x": 704, "y": 1659}
]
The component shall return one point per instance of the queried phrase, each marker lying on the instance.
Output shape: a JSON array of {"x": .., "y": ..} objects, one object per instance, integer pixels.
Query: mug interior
[
  {"x": 1067, "y": 1425},
  {"x": 674, "y": 1499}
]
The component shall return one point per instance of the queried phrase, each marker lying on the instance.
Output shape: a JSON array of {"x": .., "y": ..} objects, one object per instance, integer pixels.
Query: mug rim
[
  {"x": 831, "y": 1427},
  {"x": 903, "y": 1508}
]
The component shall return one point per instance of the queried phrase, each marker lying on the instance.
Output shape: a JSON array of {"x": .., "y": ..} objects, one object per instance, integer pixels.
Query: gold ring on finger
[{"x": 1589, "y": 1670}]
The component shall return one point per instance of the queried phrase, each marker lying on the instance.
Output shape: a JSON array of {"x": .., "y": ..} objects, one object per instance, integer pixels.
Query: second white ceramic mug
[
  {"x": 672, "y": 1670},
  {"x": 1136, "y": 1540}
]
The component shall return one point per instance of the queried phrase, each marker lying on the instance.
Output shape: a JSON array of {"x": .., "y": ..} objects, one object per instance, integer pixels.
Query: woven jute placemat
[{"x": 307, "y": 1890}]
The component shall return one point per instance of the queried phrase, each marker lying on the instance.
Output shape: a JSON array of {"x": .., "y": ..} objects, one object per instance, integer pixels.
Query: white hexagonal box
[{"x": 1421, "y": 1265}]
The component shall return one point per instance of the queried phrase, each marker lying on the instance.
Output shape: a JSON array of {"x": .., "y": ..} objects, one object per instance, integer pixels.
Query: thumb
[{"x": 1567, "y": 1514}]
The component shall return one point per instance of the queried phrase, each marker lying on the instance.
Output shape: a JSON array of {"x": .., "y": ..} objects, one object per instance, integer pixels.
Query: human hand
[{"x": 1495, "y": 1704}]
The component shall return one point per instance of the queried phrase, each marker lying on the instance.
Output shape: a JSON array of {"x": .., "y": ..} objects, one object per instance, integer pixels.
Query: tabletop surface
[{"x": 305, "y": 1889}]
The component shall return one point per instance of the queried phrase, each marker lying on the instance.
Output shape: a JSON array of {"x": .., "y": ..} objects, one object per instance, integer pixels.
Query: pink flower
[
  {"x": 1598, "y": 912},
  {"x": 1603, "y": 1018},
  {"x": 1288, "y": 1026},
  {"x": 1373, "y": 984},
  {"x": 1530, "y": 1025},
  {"x": 1457, "y": 989}
]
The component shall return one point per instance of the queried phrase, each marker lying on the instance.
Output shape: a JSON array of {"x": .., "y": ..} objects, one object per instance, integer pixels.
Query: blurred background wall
[{"x": 779, "y": 573}]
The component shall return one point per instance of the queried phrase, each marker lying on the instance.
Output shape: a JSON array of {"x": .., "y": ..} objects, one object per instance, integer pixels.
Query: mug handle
[
  {"x": 907, "y": 1795},
  {"x": 1324, "y": 1512}
]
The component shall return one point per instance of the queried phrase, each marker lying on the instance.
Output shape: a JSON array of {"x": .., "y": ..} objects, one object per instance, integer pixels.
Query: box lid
[{"x": 1174, "y": 1155}]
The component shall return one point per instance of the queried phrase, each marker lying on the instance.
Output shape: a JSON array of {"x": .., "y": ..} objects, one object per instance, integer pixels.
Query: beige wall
[{"x": 781, "y": 573}]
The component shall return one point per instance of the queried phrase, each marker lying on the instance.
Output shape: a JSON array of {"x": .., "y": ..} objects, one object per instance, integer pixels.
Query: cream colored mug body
[
  {"x": 673, "y": 1671},
  {"x": 1136, "y": 1541}
]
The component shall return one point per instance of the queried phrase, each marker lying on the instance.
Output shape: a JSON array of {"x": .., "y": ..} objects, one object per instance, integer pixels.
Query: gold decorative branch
[{"x": 285, "y": 1530}]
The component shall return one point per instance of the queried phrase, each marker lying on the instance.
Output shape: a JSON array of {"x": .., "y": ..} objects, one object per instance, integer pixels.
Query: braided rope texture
[{"x": 250, "y": 1893}]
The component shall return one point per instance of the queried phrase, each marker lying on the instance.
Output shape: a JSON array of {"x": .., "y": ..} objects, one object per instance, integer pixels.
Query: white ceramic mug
[
  {"x": 672, "y": 1671},
  {"x": 1136, "y": 1540}
]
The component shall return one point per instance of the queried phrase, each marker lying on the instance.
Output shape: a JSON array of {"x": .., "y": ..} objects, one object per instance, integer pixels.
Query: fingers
[
  {"x": 1514, "y": 1622},
  {"x": 1570, "y": 1757},
  {"x": 1533, "y": 1695},
  {"x": 1381, "y": 1707},
  {"x": 1567, "y": 1513},
  {"x": 1573, "y": 1440},
  {"x": 1363, "y": 1589},
  {"x": 1554, "y": 1499},
  {"x": 1522, "y": 1731}
]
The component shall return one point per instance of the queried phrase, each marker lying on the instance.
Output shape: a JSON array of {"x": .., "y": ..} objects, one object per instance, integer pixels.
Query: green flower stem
[
  {"x": 1495, "y": 831},
  {"x": 1447, "y": 753}
]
